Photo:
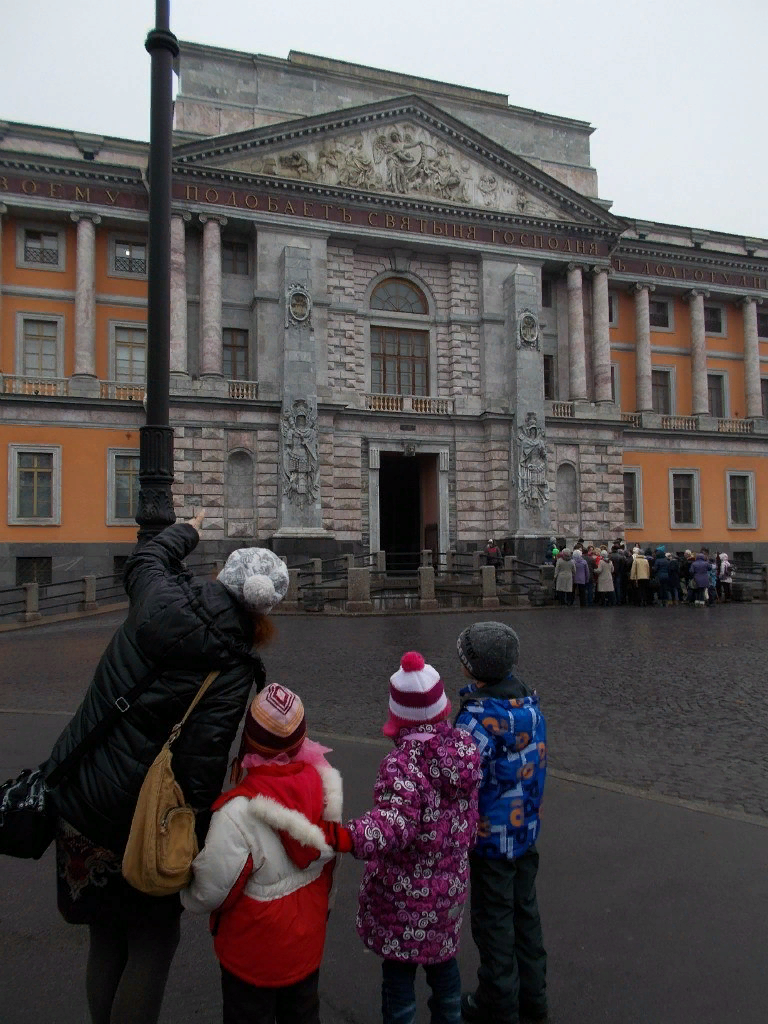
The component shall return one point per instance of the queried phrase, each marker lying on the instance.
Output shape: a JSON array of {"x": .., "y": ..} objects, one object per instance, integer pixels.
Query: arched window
[
  {"x": 399, "y": 353},
  {"x": 567, "y": 493},
  {"x": 239, "y": 487}
]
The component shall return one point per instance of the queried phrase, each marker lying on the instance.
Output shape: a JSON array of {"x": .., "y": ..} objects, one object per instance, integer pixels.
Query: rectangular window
[
  {"x": 633, "y": 510},
  {"x": 741, "y": 500},
  {"x": 716, "y": 392},
  {"x": 764, "y": 394},
  {"x": 34, "y": 482},
  {"x": 126, "y": 486},
  {"x": 685, "y": 498},
  {"x": 614, "y": 382},
  {"x": 41, "y": 247},
  {"x": 34, "y": 570},
  {"x": 549, "y": 378},
  {"x": 658, "y": 313},
  {"x": 234, "y": 354},
  {"x": 128, "y": 257},
  {"x": 546, "y": 292},
  {"x": 130, "y": 354},
  {"x": 398, "y": 361},
  {"x": 762, "y": 323},
  {"x": 613, "y": 310},
  {"x": 713, "y": 319},
  {"x": 661, "y": 392},
  {"x": 40, "y": 340},
  {"x": 234, "y": 257}
]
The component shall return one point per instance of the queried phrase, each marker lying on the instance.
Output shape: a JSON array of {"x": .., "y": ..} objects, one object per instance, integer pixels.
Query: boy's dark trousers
[
  {"x": 506, "y": 928},
  {"x": 248, "y": 1004}
]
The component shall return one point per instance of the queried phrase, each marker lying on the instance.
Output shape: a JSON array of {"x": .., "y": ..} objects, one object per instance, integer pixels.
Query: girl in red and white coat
[{"x": 265, "y": 872}]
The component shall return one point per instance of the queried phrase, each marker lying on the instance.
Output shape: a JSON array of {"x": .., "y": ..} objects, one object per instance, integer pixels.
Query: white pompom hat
[
  {"x": 416, "y": 696},
  {"x": 256, "y": 577}
]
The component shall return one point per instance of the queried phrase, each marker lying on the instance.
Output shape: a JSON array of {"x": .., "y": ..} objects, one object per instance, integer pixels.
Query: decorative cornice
[{"x": 71, "y": 169}]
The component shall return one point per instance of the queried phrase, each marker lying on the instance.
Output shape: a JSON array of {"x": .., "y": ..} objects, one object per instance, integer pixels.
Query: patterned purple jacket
[{"x": 416, "y": 840}]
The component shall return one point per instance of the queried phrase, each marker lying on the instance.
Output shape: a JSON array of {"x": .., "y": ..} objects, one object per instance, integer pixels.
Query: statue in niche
[
  {"x": 300, "y": 467},
  {"x": 532, "y": 464}
]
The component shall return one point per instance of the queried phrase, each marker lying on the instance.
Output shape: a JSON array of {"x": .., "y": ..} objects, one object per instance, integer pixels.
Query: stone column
[
  {"x": 698, "y": 354},
  {"x": 179, "y": 294},
  {"x": 85, "y": 306},
  {"x": 751, "y": 360},
  {"x": 210, "y": 306},
  {"x": 576, "y": 350},
  {"x": 643, "y": 389},
  {"x": 601, "y": 339}
]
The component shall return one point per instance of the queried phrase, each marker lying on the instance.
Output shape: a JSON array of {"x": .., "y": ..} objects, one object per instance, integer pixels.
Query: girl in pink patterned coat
[{"x": 415, "y": 842}]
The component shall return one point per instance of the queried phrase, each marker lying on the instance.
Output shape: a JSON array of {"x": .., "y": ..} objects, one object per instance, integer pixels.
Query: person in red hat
[{"x": 266, "y": 869}]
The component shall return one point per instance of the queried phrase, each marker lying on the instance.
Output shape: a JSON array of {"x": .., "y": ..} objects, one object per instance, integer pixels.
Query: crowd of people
[{"x": 644, "y": 578}]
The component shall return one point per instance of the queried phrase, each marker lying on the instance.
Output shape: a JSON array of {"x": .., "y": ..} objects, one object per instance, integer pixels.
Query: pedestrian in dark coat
[
  {"x": 660, "y": 572},
  {"x": 178, "y": 629}
]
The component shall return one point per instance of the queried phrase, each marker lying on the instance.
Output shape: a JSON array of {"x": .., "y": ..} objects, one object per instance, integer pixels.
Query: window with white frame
[
  {"x": 633, "y": 497},
  {"x": 34, "y": 477},
  {"x": 717, "y": 395},
  {"x": 399, "y": 351},
  {"x": 127, "y": 256},
  {"x": 122, "y": 486},
  {"x": 129, "y": 353},
  {"x": 660, "y": 314},
  {"x": 40, "y": 247},
  {"x": 762, "y": 323},
  {"x": 714, "y": 319},
  {"x": 684, "y": 498},
  {"x": 39, "y": 346},
  {"x": 613, "y": 309},
  {"x": 740, "y": 485},
  {"x": 764, "y": 394},
  {"x": 661, "y": 391}
]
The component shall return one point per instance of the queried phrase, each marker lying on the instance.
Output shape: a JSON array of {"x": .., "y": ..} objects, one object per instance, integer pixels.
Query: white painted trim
[
  {"x": 14, "y": 450},
  {"x": 112, "y": 327},
  {"x": 58, "y": 319},
  {"x": 671, "y": 312},
  {"x": 723, "y": 374},
  {"x": 130, "y": 237},
  {"x": 55, "y": 229},
  {"x": 637, "y": 472},
  {"x": 750, "y": 474},
  {"x": 723, "y": 332},
  {"x": 696, "y": 524},
  {"x": 672, "y": 371},
  {"x": 112, "y": 518}
]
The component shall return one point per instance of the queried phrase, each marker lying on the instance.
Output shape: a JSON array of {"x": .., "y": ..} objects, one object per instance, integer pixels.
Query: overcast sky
[{"x": 676, "y": 89}]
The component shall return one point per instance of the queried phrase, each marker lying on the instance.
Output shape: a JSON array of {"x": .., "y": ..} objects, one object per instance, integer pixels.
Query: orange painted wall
[
  {"x": 714, "y": 501},
  {"x": 83, "y": 484}
]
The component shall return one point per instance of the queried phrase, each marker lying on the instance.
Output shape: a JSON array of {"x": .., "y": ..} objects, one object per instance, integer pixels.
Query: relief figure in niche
[
  {"x": 297, "y": 166},
  {"x": 357, "y": 170},
  {"x": 532, "y": 464},
  {"x": 400, "y": 161},
  {"x": 300, "y": 467}
]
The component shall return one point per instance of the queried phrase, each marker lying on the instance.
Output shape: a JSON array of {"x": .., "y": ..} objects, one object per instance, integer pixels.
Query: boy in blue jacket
[{"x": 503, "y": 718}]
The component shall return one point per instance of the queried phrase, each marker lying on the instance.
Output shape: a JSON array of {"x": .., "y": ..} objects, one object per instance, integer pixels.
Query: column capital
[
  {"x": 184, "y": 214},
  {"x": 601, "y": 270},
  {"x": 213, "y": 217},
  {"x": 93, "y": 217},
  {"x": 578, "y": 266},
  {"x": 640, "y": 286},
  {"x": 746, "y": 299},
  {"x": 694, "y": 293}
]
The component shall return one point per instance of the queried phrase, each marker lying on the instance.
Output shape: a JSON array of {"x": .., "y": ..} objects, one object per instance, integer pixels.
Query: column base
[{"x": 84, "y": 385}]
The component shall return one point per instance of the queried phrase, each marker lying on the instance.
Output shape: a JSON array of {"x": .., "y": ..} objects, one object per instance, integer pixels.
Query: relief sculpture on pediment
[{"x": 405, "y": 160}]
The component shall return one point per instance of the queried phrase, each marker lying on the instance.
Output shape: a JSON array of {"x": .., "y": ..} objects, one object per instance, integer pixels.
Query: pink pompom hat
[{"x": 416, "y": 696}]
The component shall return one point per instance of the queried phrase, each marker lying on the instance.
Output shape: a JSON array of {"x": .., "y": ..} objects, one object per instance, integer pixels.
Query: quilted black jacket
[{"x": 185, "y": 627}]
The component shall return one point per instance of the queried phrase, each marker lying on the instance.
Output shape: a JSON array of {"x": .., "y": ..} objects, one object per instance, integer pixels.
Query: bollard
[
  {"x": 427, "y": 600},
  {"x": 31, "y": 611},
  {"x": 359, "y": 590},
  {"x": 490, "y": 600},
  {"x": 89, "y": 593}
]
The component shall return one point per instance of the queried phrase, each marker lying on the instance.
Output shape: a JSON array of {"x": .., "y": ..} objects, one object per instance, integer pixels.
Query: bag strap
[{"x": 196, "y": 699}]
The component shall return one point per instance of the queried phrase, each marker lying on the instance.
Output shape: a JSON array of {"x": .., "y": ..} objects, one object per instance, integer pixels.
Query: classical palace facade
[{"x": 401, "y": 319}]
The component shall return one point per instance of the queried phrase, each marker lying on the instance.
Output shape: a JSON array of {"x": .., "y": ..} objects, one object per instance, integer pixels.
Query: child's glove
[{"x": 337, "y": 837}]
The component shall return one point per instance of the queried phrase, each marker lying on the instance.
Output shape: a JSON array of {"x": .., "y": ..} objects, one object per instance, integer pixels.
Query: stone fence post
[
  {"x": 349, "y": 561},
  {"x": 290, "y": 602},
  {"x": 488, "y": 573},
  {"x": 381, "y": 561},
  {"x": 31, "y": 602},
  {"x": 427, "y": 600},
  {"x": 317, "y": 571},
  {"x": 449, "y": 557},
  {"x": 89, "y": 593},
  {"x": 359, "y": 590},
  {"x": 426, "y": 556}
]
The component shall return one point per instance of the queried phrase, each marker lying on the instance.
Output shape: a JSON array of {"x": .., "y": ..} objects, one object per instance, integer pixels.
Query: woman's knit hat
[
  {"x": 275, "y": 723},
  {"x": 416, "y": 696},
  {"x": 256, "y": 577}
]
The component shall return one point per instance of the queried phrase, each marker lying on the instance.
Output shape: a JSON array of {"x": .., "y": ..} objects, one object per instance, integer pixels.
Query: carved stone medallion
[
  {"x": 298, "y": 305},
  {"x": 528, "y": 330}
]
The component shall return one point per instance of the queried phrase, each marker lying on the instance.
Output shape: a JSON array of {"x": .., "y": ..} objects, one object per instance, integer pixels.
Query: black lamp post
[{"x": 155, "y": 510}]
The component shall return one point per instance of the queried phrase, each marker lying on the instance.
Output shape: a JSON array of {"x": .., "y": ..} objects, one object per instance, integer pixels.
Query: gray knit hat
[
  {"x": 256, "y": 577},
  {"x": 488, "y": 650}
]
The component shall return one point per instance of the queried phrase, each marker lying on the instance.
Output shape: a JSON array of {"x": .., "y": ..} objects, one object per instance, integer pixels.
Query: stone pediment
[{"x": 407, "y": 149}]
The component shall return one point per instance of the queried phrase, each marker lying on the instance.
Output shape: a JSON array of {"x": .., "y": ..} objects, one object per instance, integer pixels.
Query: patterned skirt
[{"x": 90, "y": 886}]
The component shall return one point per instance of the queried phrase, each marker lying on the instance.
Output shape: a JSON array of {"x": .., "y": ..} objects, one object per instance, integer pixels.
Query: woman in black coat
[{"x": 178, "y": 629}]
